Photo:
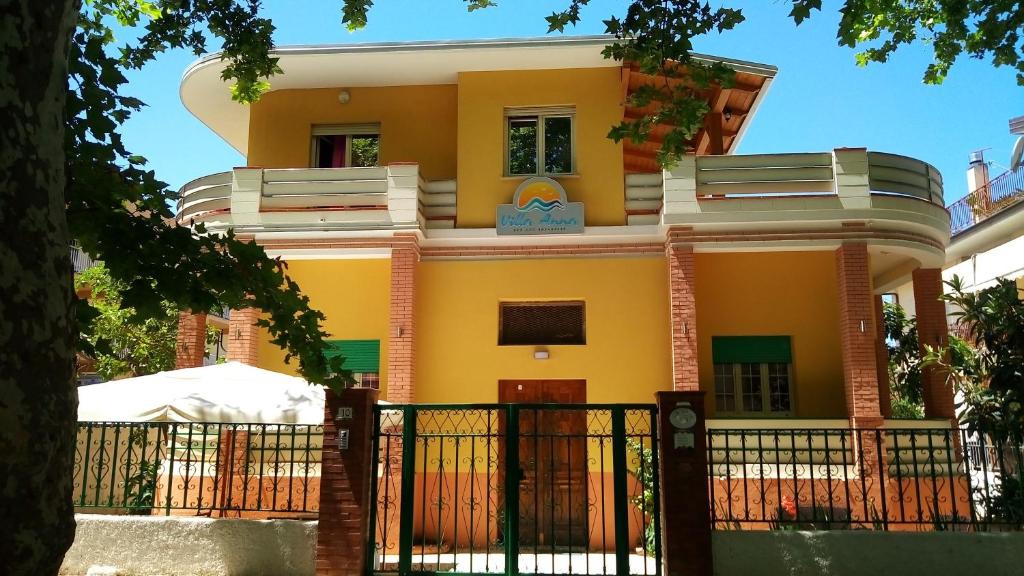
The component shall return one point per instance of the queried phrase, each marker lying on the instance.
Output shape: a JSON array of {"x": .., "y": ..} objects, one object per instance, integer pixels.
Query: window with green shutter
[
  {"x": 362, "y": 358},
  {"x": 753, "y": 375}
]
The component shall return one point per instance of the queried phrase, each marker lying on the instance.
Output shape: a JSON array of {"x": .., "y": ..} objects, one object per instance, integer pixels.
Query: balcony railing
[
  {"x": 80, "y": 261},
  {"x": 368, "y": 198},
  {"x": 999, "y": 194}
]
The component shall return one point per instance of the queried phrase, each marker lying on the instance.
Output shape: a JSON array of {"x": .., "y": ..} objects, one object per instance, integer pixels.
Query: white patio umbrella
[{"x": 230, "y": 392}]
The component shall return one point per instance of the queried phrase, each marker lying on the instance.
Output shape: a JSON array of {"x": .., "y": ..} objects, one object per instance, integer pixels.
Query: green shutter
[
  {"x": 754, "y": 349},
  {"x": 360, "y": 355}
]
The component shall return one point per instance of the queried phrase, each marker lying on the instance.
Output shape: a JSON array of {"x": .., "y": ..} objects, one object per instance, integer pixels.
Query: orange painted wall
[
  {"x": 776, "y": 293},
  {"x": 352, "y": 294},
  {"x": 595, "y": 93},
  {"x": 417, "y": 123}
]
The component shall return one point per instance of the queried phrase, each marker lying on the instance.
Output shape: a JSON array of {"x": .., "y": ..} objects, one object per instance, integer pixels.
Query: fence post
[
  {"x": 346, "y": 475},
  {"x": 683, "y": 473}
]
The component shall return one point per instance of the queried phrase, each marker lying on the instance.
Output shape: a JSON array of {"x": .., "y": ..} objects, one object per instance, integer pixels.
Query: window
[
  {"x": 753, "y": 375},
  {"x": 538, "y": 323},
  {"x": 346, "y": 146},
  {"x": 362, "y": 358},
  {"x": 539, "y": 141}
]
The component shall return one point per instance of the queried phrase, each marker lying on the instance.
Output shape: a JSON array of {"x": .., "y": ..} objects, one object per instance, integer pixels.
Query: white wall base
[
  {"x": 179, "y": 546},
  {"x": 867, "y": 553}
]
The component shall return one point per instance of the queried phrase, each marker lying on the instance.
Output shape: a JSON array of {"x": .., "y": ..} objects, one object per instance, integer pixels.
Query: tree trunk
[{"x": 38, "y": 399}]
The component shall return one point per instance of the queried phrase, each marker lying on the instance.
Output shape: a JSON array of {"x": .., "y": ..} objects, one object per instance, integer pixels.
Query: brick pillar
[
  {"x": 402, "y": 324},
  {"x": 191, "y": 341},
  {"x": 932, "y": 330},
  {"x": 882, "y": 361},
  {"x": 858, "y": 339},
  {"x": 243, "y": 336},
  {"x": 683, "y": 477},
  {"x": 682, "y": 280},
  {"x": 857, "y": 333},
  {"x": 232, "y": 462},
  {"x": 343, "y": 530}
]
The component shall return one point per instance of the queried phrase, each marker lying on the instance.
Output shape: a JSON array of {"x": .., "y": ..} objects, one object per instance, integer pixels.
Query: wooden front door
[{"x": 553, "y": 462}]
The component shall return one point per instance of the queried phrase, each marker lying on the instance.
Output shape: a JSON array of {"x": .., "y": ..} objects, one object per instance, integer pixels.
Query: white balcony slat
[
  {"x": 439, "y": 187},
  {"x": 324, "y": 187},
  {"x": 324, "y": 200},
  {"x": 323, "y": 174},
  {"x": 800, "y": 160},
  {"x": 438, "y": 199},
  {"x": 644, "y": 192},
  {"x": 758, "y": 175}
]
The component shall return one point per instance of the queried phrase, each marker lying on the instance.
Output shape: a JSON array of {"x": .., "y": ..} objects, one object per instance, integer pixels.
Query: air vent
[{"x": 542, "y": 323}]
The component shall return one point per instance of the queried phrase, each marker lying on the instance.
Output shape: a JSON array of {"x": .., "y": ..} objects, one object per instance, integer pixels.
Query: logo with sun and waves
[{"x": 539, "y": 206}]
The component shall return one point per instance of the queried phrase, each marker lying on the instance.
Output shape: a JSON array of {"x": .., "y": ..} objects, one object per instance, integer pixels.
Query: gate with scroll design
[{"x": 515, "y": 489}]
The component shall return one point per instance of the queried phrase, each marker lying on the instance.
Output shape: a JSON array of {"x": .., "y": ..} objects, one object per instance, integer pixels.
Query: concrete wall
[
  {"x": 867, "y": 553},
  {"x": 175, "y": 546}
]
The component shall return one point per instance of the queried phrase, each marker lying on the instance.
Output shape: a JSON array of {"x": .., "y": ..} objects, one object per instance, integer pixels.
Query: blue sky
[{"x": 820, "y": 99}]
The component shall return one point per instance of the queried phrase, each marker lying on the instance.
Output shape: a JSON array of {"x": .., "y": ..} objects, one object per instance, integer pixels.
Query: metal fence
[
  {"x": 520, "y": 488},
  {"x": 883, "y": 479},
  {"x": 211, "y": 469},
  {"x": 997, "y": 195}
]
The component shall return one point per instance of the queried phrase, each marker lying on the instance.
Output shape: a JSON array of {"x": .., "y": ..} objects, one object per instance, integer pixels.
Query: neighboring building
[
  {"x": 471, "y": 234},
  {"x": 987, "y": 225}
]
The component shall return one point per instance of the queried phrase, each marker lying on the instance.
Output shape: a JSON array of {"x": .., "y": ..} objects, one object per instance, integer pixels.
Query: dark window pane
[
  {"x": 542, "y": 323},
  {"x": 365, "y": 150},
  {"x": 725, "y": 388},
  {"x": 750, "y": 386},
  {"x": 522, "y": 145},
  {"x": 558, "y": 145},
  {"x": 330, "y": 151},
  {"x": 778, "y": 387}
]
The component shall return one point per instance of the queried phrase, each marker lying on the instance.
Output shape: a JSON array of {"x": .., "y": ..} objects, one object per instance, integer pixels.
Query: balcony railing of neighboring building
[
  {"x": 1000, "y": 193},
  {"x": 80, "y": 261}
]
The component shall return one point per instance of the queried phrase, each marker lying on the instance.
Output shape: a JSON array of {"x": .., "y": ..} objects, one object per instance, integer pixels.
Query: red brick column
[
  {"x": 191, "y": 342},
  {"x": 232, "y": 460},
  {"x": 858, "y": 336},
  {"x": 243, "y": 336},
  {"x": 683, "y": 477},
  {"x": 932, "y": 330},
  {"x": 857, "y": 333},
  {"x": 402, "y": 324},
  {"x": 343, "y": 531},
  {"x": 882, "y": 361},
  {"x": 682, "y": 280}
]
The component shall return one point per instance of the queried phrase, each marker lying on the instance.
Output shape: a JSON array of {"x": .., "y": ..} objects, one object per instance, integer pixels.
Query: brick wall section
[
  {"x": 191, "y": 342},
  {"x": 683, "y": 477},
  {"x": 232, "y": 460},
  {"x": 683, "y": 305},
  {"x": 243, "y": 336},
  {"x": 882, "y": 361},
  {"x": 932, "y": 330},
  {"x": 402, "y": 324},
  {"x": 856, "y": 306},
  {"x": 343, "y": 530}
]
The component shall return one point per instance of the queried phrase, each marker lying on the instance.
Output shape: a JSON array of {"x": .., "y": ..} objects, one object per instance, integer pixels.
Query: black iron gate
[{"x": 516, "y": 489}]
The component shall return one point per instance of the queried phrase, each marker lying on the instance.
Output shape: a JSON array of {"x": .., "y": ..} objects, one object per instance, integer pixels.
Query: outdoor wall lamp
[
  {"x": 344, "y": 96},
  {"x": 541, "y": 354}
]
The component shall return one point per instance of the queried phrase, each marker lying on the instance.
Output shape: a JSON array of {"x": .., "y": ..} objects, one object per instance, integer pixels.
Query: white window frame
[
  {"x": 541, "y": 114},
  {"x": 347, "y": 130},
  {"x": 737, "y": 382}
]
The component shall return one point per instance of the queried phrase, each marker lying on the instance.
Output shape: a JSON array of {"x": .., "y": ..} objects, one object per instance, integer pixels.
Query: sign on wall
[{"x": 539, "y": 206}]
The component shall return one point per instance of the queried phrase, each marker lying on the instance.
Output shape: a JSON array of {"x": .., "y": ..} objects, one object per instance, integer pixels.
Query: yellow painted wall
[
  {"x": 776, "y": 293},
  {"x": 417, "y": 125},
  {"x": 483, "y": 96},
  {"x": 354, "y": 295},
  {"x": 626, "y": 358}
]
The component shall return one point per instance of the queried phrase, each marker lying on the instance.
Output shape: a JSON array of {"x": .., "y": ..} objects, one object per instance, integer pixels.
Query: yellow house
[{"x": 457, "y": 212}]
